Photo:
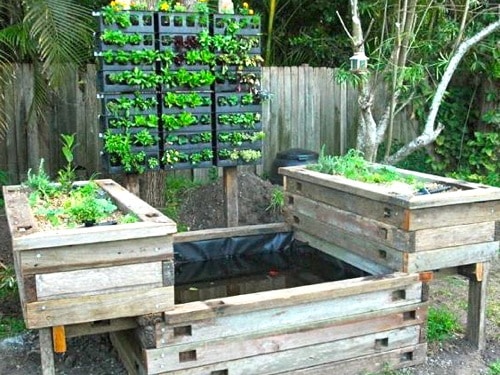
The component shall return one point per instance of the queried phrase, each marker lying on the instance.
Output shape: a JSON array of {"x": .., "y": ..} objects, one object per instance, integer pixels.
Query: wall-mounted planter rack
[{"x": 142, "y": 59}]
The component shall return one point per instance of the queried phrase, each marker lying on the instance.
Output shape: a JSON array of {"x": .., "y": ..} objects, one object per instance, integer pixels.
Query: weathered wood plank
[
  {"x": 99, "y": 327},
  {"x": 336, "y": 299},
  {"x": 169, "y": 336},
  {"x": 86, "y": 282},
  {"x": 46, "y": 352},
  {"x": 240, "y": 231},
  {"x": 374, "y": 363},
  {"x": 362, "y": 246},
  {"x": 288, "y": 360},
  {"x": 19, "y": 216},
  {"x": 355, "y": 224},
  {"x": 470, "y": 193},
  {"x": 476, "y": 312},
  {"x": 128, "y": 351},
  {"x": 98, "y": 307},
  {"x": 345, "y": 255},
  {"x": 129, "y": 202},
  {"x": 389, "y": 235},
  {"x": 91, "y": 235},
  {"x": 230, "y": 182},
  {"x": 450, "y": 257},
  {"x": 430, "y": 239},
  {"x": 224, "y": 349},
  {"x": 72, "y": 257},
  {"x": 384, "y": 212}
]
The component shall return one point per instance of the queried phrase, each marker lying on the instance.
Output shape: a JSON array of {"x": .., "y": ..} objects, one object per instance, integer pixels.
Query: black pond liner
[{"x": 238, "y": 265}]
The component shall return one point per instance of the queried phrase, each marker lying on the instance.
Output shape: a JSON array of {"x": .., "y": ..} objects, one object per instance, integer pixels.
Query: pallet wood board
[
  {"x": 404, "y": 233},
  {"x": 408, "y": 241},
  {"x": 78, "y": 275},
  {"x": 278, "y": 331},
  {"x": 477, "y": 203}
]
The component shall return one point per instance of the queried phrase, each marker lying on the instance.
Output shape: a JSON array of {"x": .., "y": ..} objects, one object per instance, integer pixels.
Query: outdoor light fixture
[{"x": 359, "y": 62}]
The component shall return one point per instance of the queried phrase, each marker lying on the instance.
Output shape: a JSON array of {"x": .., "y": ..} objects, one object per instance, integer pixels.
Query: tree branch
[{"x": 430, "y": 134}]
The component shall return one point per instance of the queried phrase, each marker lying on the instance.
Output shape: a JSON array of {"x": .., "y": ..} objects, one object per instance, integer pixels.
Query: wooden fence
[{"x": 307, "y": 110}]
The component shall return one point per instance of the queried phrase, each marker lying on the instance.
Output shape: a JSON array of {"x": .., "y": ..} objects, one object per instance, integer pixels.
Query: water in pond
[{"x": 253, "y": 271}]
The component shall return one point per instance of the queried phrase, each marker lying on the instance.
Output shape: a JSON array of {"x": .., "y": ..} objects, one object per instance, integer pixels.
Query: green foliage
[
  {"x": 8, "y": 282},
  {"x": 67, "y": 175},
  {"x": 85, "y": 205},
  {"x": 277, "y": 200},
  {"x": 463, "y": 153},
  {"x": 442, "y": 324},
  {"x": 494, "y": 368},
  {"x": 55, "y": 35},
  {"x": 40, "y": 182},
  {"x": 128, "y": 219},
  {"x": 354, "y": 167},
  {"x": 418, "y": 161}
]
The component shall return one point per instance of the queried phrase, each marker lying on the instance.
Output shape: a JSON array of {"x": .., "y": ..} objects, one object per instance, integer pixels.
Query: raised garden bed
[
  {"x": 69, "y": 276},
  {"x": 398, "y": 230},
  {"x": 267, "y": 325},
  {"x": 378, "y": 228}
]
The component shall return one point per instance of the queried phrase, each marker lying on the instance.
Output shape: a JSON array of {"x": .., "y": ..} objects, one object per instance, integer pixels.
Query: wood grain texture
[
  {"x": 98, "y": 307},
  {"x": 466, "y": 193},
  {"x": 304, "y": 357},
  {"x": 86, "y": 282},
  {"x": 83, "y": 256},
  {"x": 285, "y": 298}
]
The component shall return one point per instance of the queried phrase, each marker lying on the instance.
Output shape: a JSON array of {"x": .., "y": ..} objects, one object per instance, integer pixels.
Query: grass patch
[
  {"x": 277, "y": 200},
  {"x": 177, "y": 188},
  {"x": 442, "y": 324},
  {"x": 10, "y": 326},
  {"x": 494, "y": 368}
]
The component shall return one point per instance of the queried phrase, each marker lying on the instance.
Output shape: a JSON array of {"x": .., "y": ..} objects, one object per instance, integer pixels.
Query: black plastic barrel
[{"x": 290, "y": 158}]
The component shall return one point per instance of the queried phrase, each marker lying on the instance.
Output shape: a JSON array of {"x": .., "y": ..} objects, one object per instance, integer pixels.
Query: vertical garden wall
[{"x": 179, "y": 90}]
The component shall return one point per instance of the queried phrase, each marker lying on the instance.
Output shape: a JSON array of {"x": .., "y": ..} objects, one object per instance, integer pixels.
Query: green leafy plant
[
  {"x": 145, "y": 138},
  {"x": 84, "y": 205},
  {"x": 8, "y": 282},
  {"x": 136, "y": 77},
  {"x": 67, "y": 175},
  {"x": 128, "y": 219},
  {"x": 246, "y": 120},
  {"x": 40, "y": 182},
  {"x": 189, "y": 99},
  {"x": 247, "y": 155},
  {"x": 277, "y": 200},
  {"x": 238, "y": 138},
  {"x": 115, "y": 15},
  {"x": 178, "y": 121},
  {"x": 353, "y": 166},
  {"x": 442, "y": 324}
]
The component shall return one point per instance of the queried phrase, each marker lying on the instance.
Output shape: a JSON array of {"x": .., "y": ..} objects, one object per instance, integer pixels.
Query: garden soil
[{"x": 204, "y": 208}]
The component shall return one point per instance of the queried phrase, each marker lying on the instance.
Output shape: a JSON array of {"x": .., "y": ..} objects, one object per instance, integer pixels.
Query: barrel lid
[{"x": 297, "y": 154}]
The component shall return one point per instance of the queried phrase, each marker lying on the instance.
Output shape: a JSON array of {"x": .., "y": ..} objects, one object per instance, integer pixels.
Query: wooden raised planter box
[
  {"x": 349, "y": 326},
  {"x": 355, "y": 221},
  {"x": 79, "y": 275}
]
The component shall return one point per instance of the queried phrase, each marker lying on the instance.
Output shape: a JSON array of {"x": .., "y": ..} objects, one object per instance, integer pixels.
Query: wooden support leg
[
  {"x": 476, "y": 315},
  {"x": 47, "y": 354},
  {"x": 230, "y": 178}
]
